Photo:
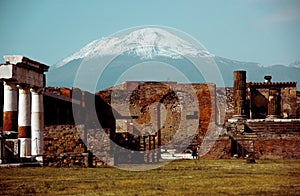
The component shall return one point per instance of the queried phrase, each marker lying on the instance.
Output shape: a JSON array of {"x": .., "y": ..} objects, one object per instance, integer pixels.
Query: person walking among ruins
[{"x": 194, "y": 152}]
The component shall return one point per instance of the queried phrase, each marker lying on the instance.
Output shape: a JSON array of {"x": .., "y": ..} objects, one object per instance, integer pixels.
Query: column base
[
  {"x": 236, "y": 118},
  {"x": 10, "y": 134},
  {"x": 242, "y": 117},
  {"x": 25, "y": 147},
  {"x": 39, "y": 158}
]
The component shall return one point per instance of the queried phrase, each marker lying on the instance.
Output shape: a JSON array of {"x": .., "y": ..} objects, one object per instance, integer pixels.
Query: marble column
[
  {"x": 10, "y": 108},
  {"x": 37, "y": 123},
  {"x": 24, "y": 125}
]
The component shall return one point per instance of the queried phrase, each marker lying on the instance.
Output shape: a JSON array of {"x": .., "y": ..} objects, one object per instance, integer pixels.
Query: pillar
[
  {"x": 24, "y": 127},
  {"x": 37, "y": 123},
  {"x": 158, "y": 124},
  {"x": 10, "y": 108},
  {"x": 142, "y": 143},
  {"x": 239, "y": 90},
  {"x": 274, "y": 104}
]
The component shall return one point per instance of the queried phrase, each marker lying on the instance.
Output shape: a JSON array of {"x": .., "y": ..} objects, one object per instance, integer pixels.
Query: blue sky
[{"x": 263, "y": 31}]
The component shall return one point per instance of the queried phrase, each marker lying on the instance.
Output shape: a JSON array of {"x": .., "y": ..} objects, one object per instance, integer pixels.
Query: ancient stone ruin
[
  {"x": 143, "y": 122},
  {"x": 265, "y": 123},
  {"x": 23, "y": 120}
]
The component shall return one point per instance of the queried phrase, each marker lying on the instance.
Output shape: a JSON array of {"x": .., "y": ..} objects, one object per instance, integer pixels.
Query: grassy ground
[{"x": 185, "y": 177}]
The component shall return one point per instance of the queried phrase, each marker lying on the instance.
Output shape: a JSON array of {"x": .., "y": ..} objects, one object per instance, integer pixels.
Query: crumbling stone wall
[
  {"x": 69, "y": 145},
  {"x": 298, "y": 105},
  {"x": 258, "y": 96},
  {"x": 266, "y": 138},
  {"x": 269, "y": 148},
  {"x": 218, "y": 149},
  {"x": 60, "y": 143},
  {"x": 140, "y": 107},
  {"x": 225, "y": 104}
]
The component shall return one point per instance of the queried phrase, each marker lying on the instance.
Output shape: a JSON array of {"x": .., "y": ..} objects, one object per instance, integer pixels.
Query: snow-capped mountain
[
  {"x": 159, "y": 45},
  {"x": 295, "y": 64},
  {"x": 145, "y": 43}
]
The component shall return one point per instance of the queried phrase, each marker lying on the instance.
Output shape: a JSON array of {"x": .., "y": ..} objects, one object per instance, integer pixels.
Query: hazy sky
[{"x": 263, "y": 31}]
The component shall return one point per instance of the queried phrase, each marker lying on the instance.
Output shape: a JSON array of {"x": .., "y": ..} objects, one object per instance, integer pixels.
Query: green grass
[{"x": 185, "y": 177}]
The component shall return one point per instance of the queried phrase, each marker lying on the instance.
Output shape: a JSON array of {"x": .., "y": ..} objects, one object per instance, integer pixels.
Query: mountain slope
[
  {"x": 154, "y": 45},
  {"x": 145, "y": 43},
  {"x": 256, "y": 72}
]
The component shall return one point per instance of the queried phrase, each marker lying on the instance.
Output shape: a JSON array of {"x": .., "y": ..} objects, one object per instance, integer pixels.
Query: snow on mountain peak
[
  {"x": 145, "y": 43},
  {"x": 295, "y": 64}
]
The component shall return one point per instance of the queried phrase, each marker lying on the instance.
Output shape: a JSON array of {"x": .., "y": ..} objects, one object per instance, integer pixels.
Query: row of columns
[{"x": 27, "y": 118}]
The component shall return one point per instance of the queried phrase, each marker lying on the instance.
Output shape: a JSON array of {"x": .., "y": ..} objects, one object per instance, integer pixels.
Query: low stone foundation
[
  {"x": 266, "y": 139},
  {"x": 221, "y": 149},
  {"x": 64, "y": 146},
  {"x": 70, "y": 159},
  {"x": 69, "y": 145},
  {"x": 277, "y": 148}
]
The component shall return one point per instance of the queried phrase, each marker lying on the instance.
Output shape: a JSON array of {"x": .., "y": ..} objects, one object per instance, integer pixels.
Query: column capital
[
  {"x": 10, "y": 85},
  {"x": 37, "y": 90},
  {"x": 23, "y": 86},
  {"x": 8, "y": 82}
]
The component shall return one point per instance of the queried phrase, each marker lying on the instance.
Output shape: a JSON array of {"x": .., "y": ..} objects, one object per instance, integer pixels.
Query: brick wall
[
  {"x": 60, "y": 140},
  {"x": 220, "y": 149},
  {"x": 69, "y": 145},
  {"x": 142, "y": 106},
  {"x": 277, "y": 148},
  {"x": 266, "y": 138}
]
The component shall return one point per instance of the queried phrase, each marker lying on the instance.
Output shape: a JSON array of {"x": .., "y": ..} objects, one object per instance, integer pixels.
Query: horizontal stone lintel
[
  {"x": 273, "y": 120},
  {"x": 270, "y": 84},
  {"x": 21, "y": 75},
  {"x": 23, "y": 61}
]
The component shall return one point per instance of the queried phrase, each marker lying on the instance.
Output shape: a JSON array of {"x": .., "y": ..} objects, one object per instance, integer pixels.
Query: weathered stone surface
[
  {"x": 69, "y": 145},
  {"x": 23, "y": 71},
  {"x": 174, "y": 112},
  {"x": 262, "y": 101},
  {"x": 246, "y": 134},
  {"x": 221, "y": 149},
  {"x": 278, "y": 138},
  {"x": 239, "y": 93},
  {"x": 277, "y": 148}
]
